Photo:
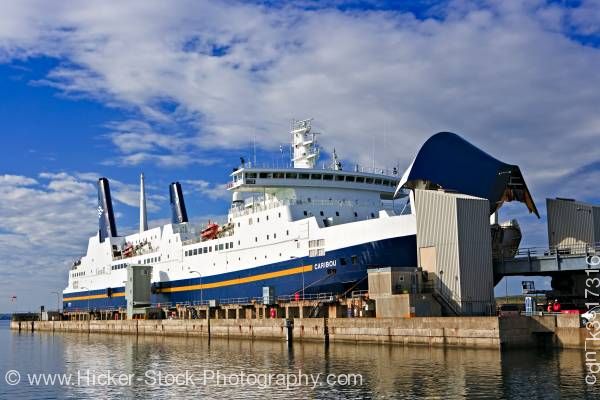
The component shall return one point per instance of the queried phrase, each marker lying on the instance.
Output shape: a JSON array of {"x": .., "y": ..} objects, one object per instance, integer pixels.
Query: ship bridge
[
  {"x": 276, "y": 179},
  {"x": 305, "y": 174}
]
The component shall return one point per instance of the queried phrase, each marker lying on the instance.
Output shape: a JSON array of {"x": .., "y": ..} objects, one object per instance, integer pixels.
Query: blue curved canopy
[{"x": 447, "y": 161}]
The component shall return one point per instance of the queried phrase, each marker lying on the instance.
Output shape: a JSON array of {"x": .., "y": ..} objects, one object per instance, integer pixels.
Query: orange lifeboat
[
  {"x": 210, "y": 232},
  {"x": 128, "y": 250}
]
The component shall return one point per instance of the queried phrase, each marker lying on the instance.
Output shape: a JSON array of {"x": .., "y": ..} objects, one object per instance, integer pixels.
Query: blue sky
[{"x": 181, "y": 90}]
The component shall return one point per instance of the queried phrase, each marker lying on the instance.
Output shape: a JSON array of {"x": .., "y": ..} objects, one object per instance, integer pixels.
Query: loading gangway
[{"x": 546, "y": 261}]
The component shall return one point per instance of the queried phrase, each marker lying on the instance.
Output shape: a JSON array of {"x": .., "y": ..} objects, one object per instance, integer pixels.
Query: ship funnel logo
[{"x": 100, "y": 211}]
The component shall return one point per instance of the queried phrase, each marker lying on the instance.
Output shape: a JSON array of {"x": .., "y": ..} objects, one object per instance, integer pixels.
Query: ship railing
[
  {"x": 235, "y": 300},
  {"x": 359, "y": 294},
  {"x": 140, "y": 252},
  {"x": 324, "y": 167},
  {"x": 258, "y": 205},
  {"x": 306, "y": 296}
]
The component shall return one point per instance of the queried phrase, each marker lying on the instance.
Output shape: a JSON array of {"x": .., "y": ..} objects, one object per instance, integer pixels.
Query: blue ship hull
[{"x": 337, "y": 272}]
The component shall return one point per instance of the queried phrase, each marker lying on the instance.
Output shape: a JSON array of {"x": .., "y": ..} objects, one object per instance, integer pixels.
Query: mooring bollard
[{"x": 289, "y": 330}]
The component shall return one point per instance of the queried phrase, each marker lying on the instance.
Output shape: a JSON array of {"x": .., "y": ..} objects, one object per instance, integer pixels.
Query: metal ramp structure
[{"x": 546, "y": 261}]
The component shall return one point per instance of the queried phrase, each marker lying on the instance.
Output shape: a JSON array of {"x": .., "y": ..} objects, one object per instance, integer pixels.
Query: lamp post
[
  {"x": 57, "y": 301},
  {"x": 200, "y": 275}
]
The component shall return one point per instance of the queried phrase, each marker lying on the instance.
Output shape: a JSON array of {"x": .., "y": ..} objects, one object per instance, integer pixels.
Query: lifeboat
[
  {"x": 210, "y": 232},
  {"x": 128, "y": 250}
]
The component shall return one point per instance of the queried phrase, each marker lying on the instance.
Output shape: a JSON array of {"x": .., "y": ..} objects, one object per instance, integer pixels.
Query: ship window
[
  {"x": 303, "y": 176},
  {"x": 291, "y": 175},
  {"x": 255, "y": 238},
  {"x": 287, "y": 233},
  {"x": 386, "y": 183},
  {"x": 231, "y": 245},
  {"x": 267, "y": 237},
  {"x": 377, "y": 182},
  {"x": 205, "y": 250},
  {"x": 257, "y": 220},
  {"x": 305, "y": 213},
  {"x": 368, "y": 180},
  {"x": 238, "y": 224},
  {"x": 209, "y": 249},
  {"x": 321, "y": 213},
  {"x": 309, "y": 200},
  {"x": 360, "y": 179},
  {"x": 339, "y": 177},
  {"x": 265, "y": 175},
  {"x": 250, "y": 175},
  {"x": 354, "y": 260},
  {"x": 226, "y": 246},
  {"x": 249, "y": 221},
  {"x": 267, "y": 217},
  {"x": 221, "y": 246},
  {"x": 238, "y": 242},
  {"x": 195, "y": 252},
  {"x": 372, "y": 215},
  {"x": 355, "y": 214},
  {"x": 278, "y": 175},
  {"x": 349, "y": 178},
  {"x": 274, "y": 236},
  {"x": 343, "y": 261},
  {"x": 337, "y": 213},
  {"x": 279, "y": 215},
  {"x": 327, "y": 177},
  {"x": 315, "y": 176}
]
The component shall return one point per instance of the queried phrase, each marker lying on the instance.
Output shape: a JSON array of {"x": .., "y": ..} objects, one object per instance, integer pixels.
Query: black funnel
[
  {"x": 178, "y": 211},
  {"x": 106, "y": 216}
]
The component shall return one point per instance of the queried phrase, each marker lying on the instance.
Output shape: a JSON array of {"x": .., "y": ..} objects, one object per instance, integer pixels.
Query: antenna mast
[{"x": 143, "y": 216}]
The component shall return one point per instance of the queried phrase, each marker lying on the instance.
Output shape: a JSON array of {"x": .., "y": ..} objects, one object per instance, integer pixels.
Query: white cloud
[
  {"x": 16, "y": 180},
  {"x": 45, "y": 224},
  {"x": 504, "y": 74},
  {"x": 199, "y": 75},
  {"x": 213, "y": 191}
]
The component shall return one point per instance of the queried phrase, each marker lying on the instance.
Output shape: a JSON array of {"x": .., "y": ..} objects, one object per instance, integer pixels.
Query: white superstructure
[{"x": 277, "y": 216}]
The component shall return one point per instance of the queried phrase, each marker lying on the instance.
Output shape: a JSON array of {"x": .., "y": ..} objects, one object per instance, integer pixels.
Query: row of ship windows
[
  {"x": 76, "y": 274},
  {"x": 287, "y": 233},
  {"x": 337, "y": 214},
  {"x": 324, "y": 177},
  {"x": 258, "y": 219},
  {"x": 209, "y": 249},
  {"x": 145, "y": 261}
]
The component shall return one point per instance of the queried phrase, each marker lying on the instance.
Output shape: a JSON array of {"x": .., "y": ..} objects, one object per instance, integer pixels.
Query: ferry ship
[{"x": 297, "y": 230}]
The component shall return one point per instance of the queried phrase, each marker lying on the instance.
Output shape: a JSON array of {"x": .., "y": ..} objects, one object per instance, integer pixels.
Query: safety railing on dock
[
  {"x": 562, "y": 250},
  {"x": 306, "y": 296}
]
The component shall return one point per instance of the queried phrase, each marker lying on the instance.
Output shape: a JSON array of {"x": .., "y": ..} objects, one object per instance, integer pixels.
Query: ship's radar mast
[
  {"x": 336, "y": 164},
  {"x": 306, "y": 152}
]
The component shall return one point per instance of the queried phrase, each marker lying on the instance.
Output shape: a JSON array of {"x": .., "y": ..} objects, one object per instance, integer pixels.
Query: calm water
[{"x": 387, "y": 371}]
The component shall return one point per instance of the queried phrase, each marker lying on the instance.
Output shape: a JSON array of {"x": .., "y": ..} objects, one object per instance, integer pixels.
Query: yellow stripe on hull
[
  {"x": 93, "y": 296},
  {"x": 230, "y": 282},
  {"x": 237, "y": 281}
]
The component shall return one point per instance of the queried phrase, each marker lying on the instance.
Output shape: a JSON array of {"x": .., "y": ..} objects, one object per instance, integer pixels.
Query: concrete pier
[{"x": 560, "y": 331}]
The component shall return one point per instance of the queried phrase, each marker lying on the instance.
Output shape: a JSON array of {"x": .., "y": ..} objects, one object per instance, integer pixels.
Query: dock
[{"x": 559, "y": 331}]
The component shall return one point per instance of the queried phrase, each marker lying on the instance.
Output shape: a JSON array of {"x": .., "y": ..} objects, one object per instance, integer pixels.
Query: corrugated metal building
[
  {"x": 573, "y": 226},
  {"x": 454, "y": 247}
]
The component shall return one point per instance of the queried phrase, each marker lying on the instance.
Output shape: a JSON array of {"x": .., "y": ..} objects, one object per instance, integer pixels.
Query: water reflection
[{"x": 387, "y": 371}]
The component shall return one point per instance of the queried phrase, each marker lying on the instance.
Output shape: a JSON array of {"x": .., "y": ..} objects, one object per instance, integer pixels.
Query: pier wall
[{"x": 474, "y": 332}]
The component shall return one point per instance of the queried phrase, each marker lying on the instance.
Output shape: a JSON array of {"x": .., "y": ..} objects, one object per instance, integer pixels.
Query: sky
[{"x": 180, "y": 90}]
